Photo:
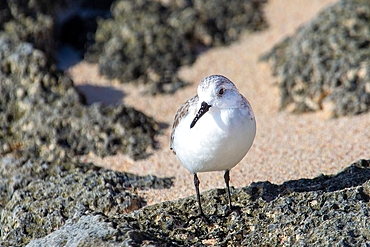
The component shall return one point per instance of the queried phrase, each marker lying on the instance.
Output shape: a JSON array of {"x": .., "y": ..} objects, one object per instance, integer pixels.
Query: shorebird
[{"x": 213, "y": 130}]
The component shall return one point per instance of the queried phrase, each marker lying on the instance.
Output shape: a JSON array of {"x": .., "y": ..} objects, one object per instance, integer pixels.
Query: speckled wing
[
  {"x": 180, "y": 114},
  {"x": 246, "y": 108}
]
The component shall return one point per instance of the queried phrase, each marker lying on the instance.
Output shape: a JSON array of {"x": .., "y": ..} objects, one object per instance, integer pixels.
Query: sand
[{"x": 286, "y": 146}]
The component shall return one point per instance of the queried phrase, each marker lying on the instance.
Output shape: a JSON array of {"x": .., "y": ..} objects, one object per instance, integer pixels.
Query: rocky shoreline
[
  {"x": 327, "y": 210},
  {"x": 324, "y": 65},
  {"x": 50, "y": 197},
  {"x": 152, "y": 39},
  {"x": 39, "y": 197}
]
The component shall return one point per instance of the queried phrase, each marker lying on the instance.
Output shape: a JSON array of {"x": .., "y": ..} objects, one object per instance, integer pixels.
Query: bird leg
[
  {"x": 227, "y": 179},
  {"x": 196, "y": 183}
]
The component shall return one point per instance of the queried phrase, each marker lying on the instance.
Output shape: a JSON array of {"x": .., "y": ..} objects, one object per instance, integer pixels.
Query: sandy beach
[{"x": 286, "y": 146}]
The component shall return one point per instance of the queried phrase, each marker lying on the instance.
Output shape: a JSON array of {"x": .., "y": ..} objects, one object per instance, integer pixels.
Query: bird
[{"x": 213, "y": 130}]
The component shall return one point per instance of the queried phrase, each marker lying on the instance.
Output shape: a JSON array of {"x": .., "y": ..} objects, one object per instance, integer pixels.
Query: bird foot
[
  {"x": 201, "y": 216},
  {"x": 232, "y": 209}
]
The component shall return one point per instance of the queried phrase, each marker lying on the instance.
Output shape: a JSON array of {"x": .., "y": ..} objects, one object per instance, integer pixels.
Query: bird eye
[{"x": 221, "y": 92}]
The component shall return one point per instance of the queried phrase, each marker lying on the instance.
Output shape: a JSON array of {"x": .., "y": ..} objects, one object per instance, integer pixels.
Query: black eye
[{"x": 221, "y": 92}]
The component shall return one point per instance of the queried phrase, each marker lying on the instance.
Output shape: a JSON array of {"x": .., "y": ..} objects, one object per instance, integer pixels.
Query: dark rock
[
  {"x": 44, "y": 127},
  {"x": 145, "y": 41},
  {"x": 327, "y": 210},
  {"x": 42, "y": 114},
  {"x": 5, "y": 14},
  {"x": 75, "y": 29},
  {"x": 30, "y": 21},
  {"x": 149, "y": 40},
  {"x": 40, "y": 197},
  {"x": 49, "y": 24},
  {"x": 325, "y": 65}
]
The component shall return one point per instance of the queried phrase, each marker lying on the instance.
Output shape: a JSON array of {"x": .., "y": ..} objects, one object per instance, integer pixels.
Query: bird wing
[{"x": 181, "y": 113}]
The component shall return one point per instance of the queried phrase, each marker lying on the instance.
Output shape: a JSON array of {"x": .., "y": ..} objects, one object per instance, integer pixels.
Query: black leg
[
  {"x": 227, "y": 179},
  {"x": 196, "y": 183}
]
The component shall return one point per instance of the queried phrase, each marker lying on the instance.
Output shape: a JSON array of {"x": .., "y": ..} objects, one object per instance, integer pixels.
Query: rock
[
  {"x": 137, "y": 44},
  {"x": 42, "y": 114},
  {"x": 50, "y": 24},
  {"x": 324, "y": 65},
  {"x": 327, "y": 210},
  {"x": 149, "y": 40},
  {"x": 78, "y": 25},
  {"x": 39, "y": 197},
  {"x": 44, "y": 128},
  {"x": 90, "y": 230},
  {"x": 30, "y": 22}
]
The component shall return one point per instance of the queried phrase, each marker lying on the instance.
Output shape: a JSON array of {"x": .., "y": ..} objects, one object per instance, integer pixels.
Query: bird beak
[{"x": 204, "y": 107}]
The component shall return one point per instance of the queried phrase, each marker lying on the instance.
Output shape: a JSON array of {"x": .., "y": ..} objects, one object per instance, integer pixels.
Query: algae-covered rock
[
  {"x": 318, "y": 212},
  {"x": 91, "y": 230},
  {"x": 46, "y": 24},
  {"x": 327, "y": 210},
  {"x": 325, "y": 64},
  {"x": 38, "y": 197},
  {"x": 42, "y": 114},
  {"x": 44, "y": 128},
  {"x": 30, "y": 21},
  {"x": 149, "y": 40}
]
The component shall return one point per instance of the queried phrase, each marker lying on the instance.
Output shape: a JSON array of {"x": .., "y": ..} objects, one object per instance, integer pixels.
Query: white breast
[{"x": 218, "y": 141}]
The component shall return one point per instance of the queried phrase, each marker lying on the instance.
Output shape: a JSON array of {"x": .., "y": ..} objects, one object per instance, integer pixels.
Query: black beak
[{"x": 203, "y": 109}]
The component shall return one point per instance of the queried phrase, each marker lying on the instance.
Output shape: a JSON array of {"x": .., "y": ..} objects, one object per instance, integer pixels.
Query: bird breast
[{"x": 219, "y": 140}]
